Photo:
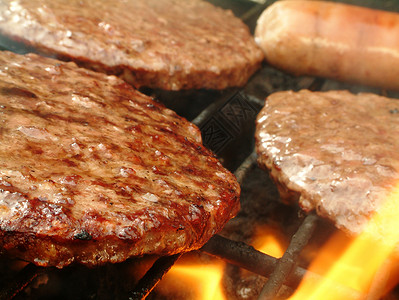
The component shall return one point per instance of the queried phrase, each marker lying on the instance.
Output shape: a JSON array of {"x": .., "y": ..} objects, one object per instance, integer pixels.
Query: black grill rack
[
  {"x": 228, "y": 117},
  {"x": 226, "y": 120}
]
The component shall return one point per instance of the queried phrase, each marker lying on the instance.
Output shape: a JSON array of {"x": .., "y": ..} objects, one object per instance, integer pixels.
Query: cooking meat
[
  {"x": 333, "y": 40},
  {"x": 334, "y": 152},
  {"x": 93, "y": 171},
  {"x": 166, "y": 44}
]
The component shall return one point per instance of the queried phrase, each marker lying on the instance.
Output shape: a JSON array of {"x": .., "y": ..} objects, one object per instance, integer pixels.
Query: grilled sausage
[{"x": 333, "y": 40}]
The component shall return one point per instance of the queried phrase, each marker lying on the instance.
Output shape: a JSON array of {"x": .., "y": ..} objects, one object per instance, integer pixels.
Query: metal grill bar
[
  {"x": 245, "y": 167},
  {"x": 148, "y": 282},
  {"x": 211, "y": 109},
  {"x": 280, "y": 271},
  {"x": 247, "y": 257},
  {"x": 22, "y": 279},
  {"x": 287, "y": 263}
]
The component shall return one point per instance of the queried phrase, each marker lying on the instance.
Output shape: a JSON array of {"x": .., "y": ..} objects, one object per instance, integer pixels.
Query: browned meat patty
[
  {"x": 93, "y": 171},
  {"x": 334, "y": 152},
  {"x": 166, "y": 44}
]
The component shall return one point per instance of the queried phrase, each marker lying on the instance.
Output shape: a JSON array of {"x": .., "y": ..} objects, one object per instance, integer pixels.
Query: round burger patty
[
  {"x": 334, "y": 152},
  {"x": 166, "y": 44},
  {"x": 93, "y": 171}
]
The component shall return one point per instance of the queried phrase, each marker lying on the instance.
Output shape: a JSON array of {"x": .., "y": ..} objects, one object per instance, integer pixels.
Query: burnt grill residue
[
  {"x": 228, "y": 122},
  {"x": 83, "y": 235}
]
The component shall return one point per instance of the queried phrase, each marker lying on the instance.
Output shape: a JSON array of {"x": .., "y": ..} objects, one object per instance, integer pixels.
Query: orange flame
[
  {"x": 207, "y": 278},
  {"x": 269, "y": 241},
  {"x": 358, "y": 263},
  {"x": 194, "y": 280}
]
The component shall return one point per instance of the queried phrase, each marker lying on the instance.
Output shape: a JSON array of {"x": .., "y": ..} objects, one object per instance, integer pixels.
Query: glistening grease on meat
[
  {"x": 334, "y": 152},
  {"x": 166, "y": 44},
  {"x": 93, "y": 171}
]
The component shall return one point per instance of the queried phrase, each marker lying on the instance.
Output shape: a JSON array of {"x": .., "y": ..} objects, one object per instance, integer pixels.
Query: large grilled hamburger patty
[
  {"x": 93, "y": 171},
  {"x": 166, "y": 44},
  {"x": 334, "y": 152}
]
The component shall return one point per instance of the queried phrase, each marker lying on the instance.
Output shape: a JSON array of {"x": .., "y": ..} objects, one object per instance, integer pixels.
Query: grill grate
[
  {"x": 287, "y": 263},
  {"x": 226, "y": 121},
  {"x": 20, "y": 281}
]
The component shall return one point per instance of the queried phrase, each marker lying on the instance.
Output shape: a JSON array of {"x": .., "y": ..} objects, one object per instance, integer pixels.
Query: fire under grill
[
  {"x": 281, "y": 273},
  {"x": 226, "y": 119}
]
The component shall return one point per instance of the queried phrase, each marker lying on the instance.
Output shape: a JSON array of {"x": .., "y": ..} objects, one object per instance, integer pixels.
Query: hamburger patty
[
  {"x": 166, "y": 44},
  {"x": 334, "y": 152},
  {"x": 93, "y": 171}
]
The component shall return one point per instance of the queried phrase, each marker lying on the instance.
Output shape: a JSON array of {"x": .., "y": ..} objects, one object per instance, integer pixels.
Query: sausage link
[{"x": 333, "y": 40}]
